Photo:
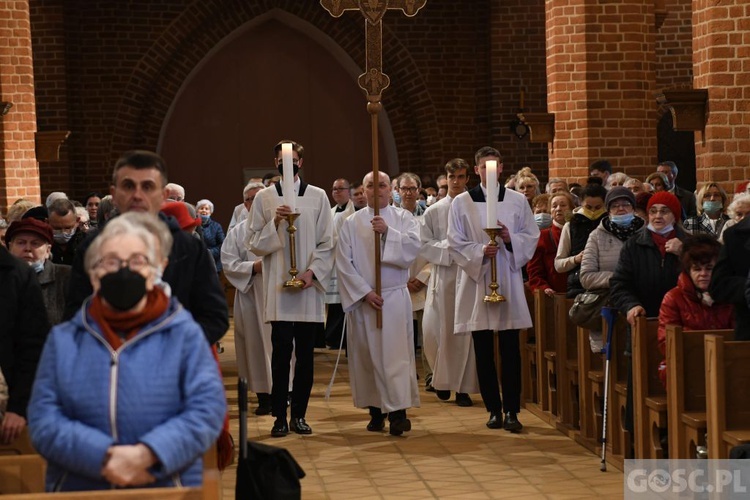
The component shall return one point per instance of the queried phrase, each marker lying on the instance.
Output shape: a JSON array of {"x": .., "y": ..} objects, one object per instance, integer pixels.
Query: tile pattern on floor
[{"x": 449, "y": 452}]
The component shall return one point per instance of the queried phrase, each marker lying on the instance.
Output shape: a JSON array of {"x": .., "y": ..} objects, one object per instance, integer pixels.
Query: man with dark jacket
[
  {"x": 687, "y": 199},
  {"x": 138, "y": 184},
  {"x": 731, "y": 273},
  {"x": 22, "y": 337}
]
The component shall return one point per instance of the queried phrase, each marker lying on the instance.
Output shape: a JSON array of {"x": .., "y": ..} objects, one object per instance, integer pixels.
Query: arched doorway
[{"x": 268, "y": 81}]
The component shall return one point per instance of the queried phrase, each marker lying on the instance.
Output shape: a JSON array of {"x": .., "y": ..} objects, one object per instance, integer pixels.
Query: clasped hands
[{"x": 127, "y": 465}]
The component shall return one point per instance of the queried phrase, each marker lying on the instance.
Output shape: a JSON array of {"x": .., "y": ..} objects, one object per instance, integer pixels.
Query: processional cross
[{"x": 373, "y": 81}]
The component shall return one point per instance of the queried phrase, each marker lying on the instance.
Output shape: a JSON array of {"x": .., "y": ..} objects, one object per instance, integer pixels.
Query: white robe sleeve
[
  {"x": 237, "y": 269},
  {"x": 434, "y": 248},
  {"x": 322, "y": 259},
  {"x": 523, "y": 239},
  {"x": 352, "y": 286},
  {"x": 263, "y": 238},
  {"x": 402, "y": 247},
  {"x": 468, "y": 253}
]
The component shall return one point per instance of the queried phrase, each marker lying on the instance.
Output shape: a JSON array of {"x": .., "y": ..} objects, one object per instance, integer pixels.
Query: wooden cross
[{"x": 373, "y": 81}]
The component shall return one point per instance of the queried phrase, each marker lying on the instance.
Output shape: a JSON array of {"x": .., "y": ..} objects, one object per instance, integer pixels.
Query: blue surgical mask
[
  {"x": 62, "y": 238},
  {"x": 396, "y": 197},
  {"x": 205, "y": 218},
  {"x": 665, "y": 230},
  {"x": 712, "y": 207},
  {"x": 623, "y": 220},
  {"x": 543, "y": 220},
  {"x": 422, "y": 203},
  {"x": 37, "y": 266}
]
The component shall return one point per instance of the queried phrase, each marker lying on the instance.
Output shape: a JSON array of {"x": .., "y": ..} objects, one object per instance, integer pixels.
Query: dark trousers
[
  {"x": 510, "y": 360},
  {"x": 287, "y": 336},
  {"x": 335, "y": 325}
]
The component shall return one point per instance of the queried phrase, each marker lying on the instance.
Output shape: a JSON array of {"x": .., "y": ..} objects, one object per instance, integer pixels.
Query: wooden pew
[
  {"x": 728, "y": 407},
  {"x": 590, "y": 388},
  {"x": 544, "y": 328},
  {"x": 21, "y": 446},
  {"x": 211, "y": 490},
  {"x": 21, "y": 474},
  {"x": 618, "y": 437},
  {"x": 649, "y": 395},
  {"x": 686, "y": 390},
  {"x": 566, "y": 346}
]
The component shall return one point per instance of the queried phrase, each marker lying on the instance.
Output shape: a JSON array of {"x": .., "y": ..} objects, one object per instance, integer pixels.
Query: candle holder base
[
  {"x": 294, "y": 283},
  {"x": 493, "y": 297}
]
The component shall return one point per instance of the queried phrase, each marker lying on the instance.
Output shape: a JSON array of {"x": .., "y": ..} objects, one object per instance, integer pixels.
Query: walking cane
[{"x": 609, "y": 314}]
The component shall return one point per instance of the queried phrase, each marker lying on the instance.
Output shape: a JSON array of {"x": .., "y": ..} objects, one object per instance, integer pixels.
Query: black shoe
[
  {"x": 398, "y": 423},
  {"x": 511, "y": 423},
  {"x": 377, "y": 423},
  {"x": 299, "y": 426},
  {"x": 463, "y": 399},
  {"x": 264, "y": 404},
  {"x": 443, "y": 395},
  {"x": 495, "y": 421},
  {"x": 280, "y": 428}
]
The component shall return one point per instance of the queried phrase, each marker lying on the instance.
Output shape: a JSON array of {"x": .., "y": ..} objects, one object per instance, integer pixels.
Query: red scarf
[
  {"x": 661, "y": 241},
  {"x": 113, "y": 321}
]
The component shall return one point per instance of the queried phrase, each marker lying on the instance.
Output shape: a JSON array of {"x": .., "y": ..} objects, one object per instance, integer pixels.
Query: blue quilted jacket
[{"x": 161, "y": 388}]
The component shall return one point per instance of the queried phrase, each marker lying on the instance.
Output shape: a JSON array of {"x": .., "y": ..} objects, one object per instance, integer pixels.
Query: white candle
[
  {"x": 287, "y": 179},
  {"x": 491, "y": 166}
]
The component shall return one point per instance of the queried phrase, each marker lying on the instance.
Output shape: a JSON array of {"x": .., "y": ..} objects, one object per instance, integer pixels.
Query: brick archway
[{"x": 203, "y": 25}]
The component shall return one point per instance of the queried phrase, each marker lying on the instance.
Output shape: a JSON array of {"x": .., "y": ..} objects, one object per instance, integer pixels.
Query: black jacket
[
  {"x": 730, "y": 274},
  {"x": 642, "y": 277},
  {"x": 23, "y": 329},
  {"x": 190, "y": 273}
]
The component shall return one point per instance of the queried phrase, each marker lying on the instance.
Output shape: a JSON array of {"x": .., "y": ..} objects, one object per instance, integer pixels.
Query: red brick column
[
  {"x": 601, "y": 84},
  {"x": 19, "y": 175},
  {"x": 721, "y": 51}
]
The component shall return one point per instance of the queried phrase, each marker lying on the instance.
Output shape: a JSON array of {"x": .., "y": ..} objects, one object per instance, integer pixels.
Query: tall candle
[
  {"x": 491, "y": 166},
  {"x": 287, "y": 179}
]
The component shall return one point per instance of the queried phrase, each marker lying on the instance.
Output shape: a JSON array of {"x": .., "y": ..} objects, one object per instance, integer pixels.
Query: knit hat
[
  {"x": 668, "y": 199},
  {"x": 179, "y": 211},
  {"x": 29, "y": 225},
  {"x": 38, "y": 213},
  {"x": 619, "y": 192}
]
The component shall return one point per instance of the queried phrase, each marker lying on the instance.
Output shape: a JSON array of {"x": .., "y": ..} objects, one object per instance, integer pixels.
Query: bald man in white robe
[{"x": 382, "y": 369}]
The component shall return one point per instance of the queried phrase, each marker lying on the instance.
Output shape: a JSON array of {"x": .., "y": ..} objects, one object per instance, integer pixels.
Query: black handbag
[
  {"x": 264, "y": 471},
  {"x": 586, "y": 310}
]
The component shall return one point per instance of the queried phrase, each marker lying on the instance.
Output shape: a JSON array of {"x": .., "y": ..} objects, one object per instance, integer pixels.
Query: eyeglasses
[
  {"x": 659, "y": 211},
  {"x": 112, "y": 263},
  {"x": 409, "y": 189}
]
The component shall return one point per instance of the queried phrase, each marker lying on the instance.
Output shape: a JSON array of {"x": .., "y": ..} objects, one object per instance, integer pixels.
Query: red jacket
[
  {"x": 682, "y": 306},
  {"x": 541, "y": 267}
]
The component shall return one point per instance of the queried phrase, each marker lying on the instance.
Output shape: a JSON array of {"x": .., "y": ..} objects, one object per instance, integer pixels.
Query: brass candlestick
[
  {"x": 493, "y": 297},
  {"x": 291, "y": 229}
]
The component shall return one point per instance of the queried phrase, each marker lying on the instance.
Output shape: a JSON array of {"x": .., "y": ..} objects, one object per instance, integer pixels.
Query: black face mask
[
  {"x": 123, "y": 289},
  {"x": 295, "y": 169}
]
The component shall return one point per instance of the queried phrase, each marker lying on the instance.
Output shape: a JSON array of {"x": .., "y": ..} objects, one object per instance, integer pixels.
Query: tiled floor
[{"x": 448, "y": 454}]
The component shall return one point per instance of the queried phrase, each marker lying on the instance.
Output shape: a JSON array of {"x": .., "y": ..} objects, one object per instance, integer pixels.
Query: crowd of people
[{"x": 122, "y": 294}]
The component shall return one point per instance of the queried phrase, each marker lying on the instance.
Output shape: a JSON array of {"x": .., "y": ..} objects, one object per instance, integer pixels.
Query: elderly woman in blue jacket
[{"x": 127, "y": 392}]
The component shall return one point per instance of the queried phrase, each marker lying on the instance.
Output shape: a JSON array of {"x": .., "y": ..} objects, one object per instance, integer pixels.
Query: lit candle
[
  {"x": 491, "y": 166},
  {"x": 287, "y": 179}
]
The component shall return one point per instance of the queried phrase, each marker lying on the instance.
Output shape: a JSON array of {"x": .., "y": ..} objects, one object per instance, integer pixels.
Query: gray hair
[
  {"x": 153, "y": 233},
  {"x": 55, "y": 195},
  {"x": 620, "y": 177},
  {"x": 205, "y": 202},
  {"x": 252, "y": 185},
  {"x": 739, "y": 199}
]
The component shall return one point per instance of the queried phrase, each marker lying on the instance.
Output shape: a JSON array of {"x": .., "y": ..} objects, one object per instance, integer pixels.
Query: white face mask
[
  {"x": 37, "y": 265},
  {"x": 665, "y": 230}
]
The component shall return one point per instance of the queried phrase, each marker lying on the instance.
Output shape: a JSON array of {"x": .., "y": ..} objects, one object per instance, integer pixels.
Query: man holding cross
[{"x": 381, "y": 360}]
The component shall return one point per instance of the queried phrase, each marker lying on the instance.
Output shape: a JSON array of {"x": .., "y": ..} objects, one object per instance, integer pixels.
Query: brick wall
[
  {"x": 721, "y": 58},
  {"x": 18, "y": 169},
  {"x": 674, "y": 47},
  {"x": 601, "y": 83}
]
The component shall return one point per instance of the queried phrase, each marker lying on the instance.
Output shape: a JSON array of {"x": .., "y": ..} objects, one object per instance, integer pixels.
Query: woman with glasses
[
  {"x": 127, "y": 393},
  {"x": 712, "y": 205},
  {"x": 603, "y": 247},
  {"x": 689, "y": 304}
]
